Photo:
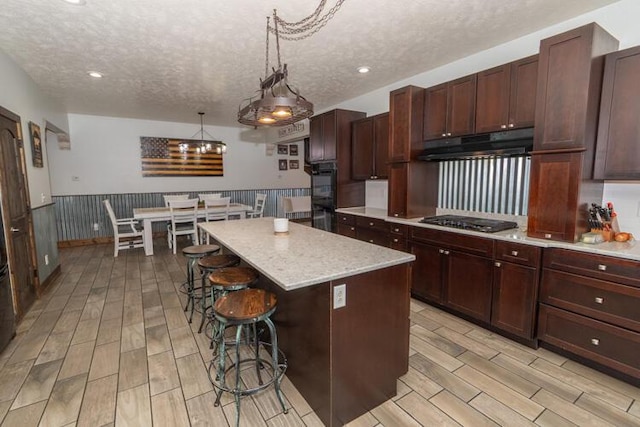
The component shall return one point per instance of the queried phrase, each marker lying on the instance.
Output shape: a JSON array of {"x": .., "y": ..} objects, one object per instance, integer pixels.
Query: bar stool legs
[
  {"x": 193, "y": 254},
  {"x": 244, "y": 309}
]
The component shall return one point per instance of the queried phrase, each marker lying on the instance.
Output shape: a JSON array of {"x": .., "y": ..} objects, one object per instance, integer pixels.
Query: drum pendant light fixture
[{"x": 277, "y": 102}]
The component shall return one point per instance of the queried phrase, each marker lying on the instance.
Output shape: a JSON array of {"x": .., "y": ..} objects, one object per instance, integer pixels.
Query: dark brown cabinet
[
  {"x": 405, "y": 123},
  {"x": 569, "y": 86},
  {"x": 413, "y": 189},
  {"x": 506, "y": 96},
  {"x": 618, "y": 145},
  {"x": 515, "y": 288},
  {"x": 328, "y": 132},
  {"x": 554, "y": 197},
  {"x": 346, "y": 225},
  {"x": 449, "y": 109},
  {"x": 589, "y": 307},
  {"x": 453, "y": 270},
  {"x": 370, "y": 147}
]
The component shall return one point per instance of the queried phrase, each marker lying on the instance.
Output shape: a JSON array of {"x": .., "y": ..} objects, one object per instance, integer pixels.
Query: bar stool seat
[
  {"x": 207, "y": 265},
  {"x": 227, "y": 280},
  {"x": 243, "y": 308},
  {"x": 193, "y": 254}
]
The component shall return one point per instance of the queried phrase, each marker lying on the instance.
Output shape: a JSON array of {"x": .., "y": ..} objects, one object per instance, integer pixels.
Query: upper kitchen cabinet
[
  {"x": 569, "y": 85},
  {"x": 618, "y": 145},
  {"x": 413, "y": 189},
  {"x": 370, "y": 145},
  {"x": 329, "y": 132},
  {"x": 449, "y": 109},
  {"x": 405, "y": 123},
  {"x": 506, "y": 96}
]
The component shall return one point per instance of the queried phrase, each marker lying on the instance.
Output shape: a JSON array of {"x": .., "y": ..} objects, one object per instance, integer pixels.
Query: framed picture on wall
[
  {"x": 36, "y": 144},
  {"x": 293, "y": 164},
  {"x": 283, "y": 149},
  {"x": 293, "y": 149},
  {"x": 282, "y": 164}
]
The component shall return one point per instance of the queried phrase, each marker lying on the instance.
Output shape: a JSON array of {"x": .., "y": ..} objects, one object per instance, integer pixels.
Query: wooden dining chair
[
  {"x": 184, "y": 220},
  {"x": 127, "y": 233}
]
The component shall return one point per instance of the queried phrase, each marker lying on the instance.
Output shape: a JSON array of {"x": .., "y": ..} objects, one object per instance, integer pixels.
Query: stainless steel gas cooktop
[{"x": 483, "y": 225}]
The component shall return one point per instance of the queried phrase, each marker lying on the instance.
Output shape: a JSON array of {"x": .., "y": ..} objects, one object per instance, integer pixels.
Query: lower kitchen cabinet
[
  {"x": 589, "y": 307},
  {"x": 426, "y": 273},
  {"x": 467, "y": 284}
]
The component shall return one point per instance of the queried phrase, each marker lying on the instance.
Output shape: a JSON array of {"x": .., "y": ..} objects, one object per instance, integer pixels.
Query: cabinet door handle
[
  {"x": 353, "y": 229},
  {"x": 448, "y": 133},
  {"x": 595, "y": 341},
  {"x": 395, "y": 214},
  {"x": 371, "y": 224},
  {"x": 441, "y": 251},
  {"x": 396, "y": 230},
  {"x": 444, "y": 134},
  {"x": 370, "y": 240},
  {"x": 599, "y": 300},
  {"x": 446, "y": 252},
  {"x": 602, "y": 267},
  {"x": 511, "y": 125},
  {"x": 503, "y": 126},
  {"x": 395, "y": 240},
  {"x": 547, "y": 236},
  {"x": 514, "y": 253},
  {"x": 498, "y": 264}
]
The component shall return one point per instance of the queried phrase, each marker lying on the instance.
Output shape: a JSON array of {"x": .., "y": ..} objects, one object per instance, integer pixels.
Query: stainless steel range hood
[{"x": 496, "y": 144}]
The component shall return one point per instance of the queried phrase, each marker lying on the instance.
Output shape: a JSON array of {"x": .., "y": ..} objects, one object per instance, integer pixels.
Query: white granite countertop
[
  {"x": 628, "y": 250},
  {"x": 305, "y": 257}
]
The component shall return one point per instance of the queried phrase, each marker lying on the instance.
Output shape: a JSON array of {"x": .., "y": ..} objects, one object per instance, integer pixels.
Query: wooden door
[
  {"x": 16, "y": 213},
  {"x": 426, "y": 273},
  {"x": 381, "y": 138},
  {"x": 618, "y": 146},
  {"x": 405, "y": 122},
  {"x": 329, "y": 135},
  {"x": 363, "y": 148},
  {"x": 553, "y": 196},
  {"x": 461, "y": 114},
  {"x": 435, "y": 112},
  {"x": 468, "y": 283},
  {"x": 522, "y": 98},
  {"x": 514, "y": 298},
  {"x": 492, "y": 103}
]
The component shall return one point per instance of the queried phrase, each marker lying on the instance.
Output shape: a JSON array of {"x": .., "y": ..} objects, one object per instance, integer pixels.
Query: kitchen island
[{"x": 344, "y": 360}]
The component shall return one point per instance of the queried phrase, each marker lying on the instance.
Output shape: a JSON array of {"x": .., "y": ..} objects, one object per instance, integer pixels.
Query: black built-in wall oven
[{"x": 323, "y": 196}]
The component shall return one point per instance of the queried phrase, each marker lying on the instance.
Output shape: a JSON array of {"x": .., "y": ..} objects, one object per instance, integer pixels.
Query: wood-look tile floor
[{"x": 110, "y": 345}]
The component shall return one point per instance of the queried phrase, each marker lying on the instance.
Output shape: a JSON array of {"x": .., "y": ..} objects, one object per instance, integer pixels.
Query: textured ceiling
[{"x": 169, "y": 59}]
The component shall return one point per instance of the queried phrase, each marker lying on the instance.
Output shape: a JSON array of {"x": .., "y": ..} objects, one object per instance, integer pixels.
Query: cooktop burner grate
[{"x": 483, "y": 225}]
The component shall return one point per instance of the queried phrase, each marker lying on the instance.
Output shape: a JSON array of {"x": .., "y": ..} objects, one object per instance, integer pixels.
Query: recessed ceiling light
[
  {"x": 95, "y": 74},
  {"x": 364, "y": 69},
  {"x": 76, "y": 2}
]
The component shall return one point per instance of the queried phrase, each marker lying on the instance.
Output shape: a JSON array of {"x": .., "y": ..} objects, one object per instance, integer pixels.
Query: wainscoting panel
[
  {"x": 44, "y": 227},
  {"x": 77, "y": 215}
]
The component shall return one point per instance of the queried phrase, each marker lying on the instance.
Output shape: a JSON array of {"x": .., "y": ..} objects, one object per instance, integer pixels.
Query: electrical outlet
[
  {"x": 96, "y": 226},
  {"x": 46, "y": 259},
  {"x": 340, "y": 296}
]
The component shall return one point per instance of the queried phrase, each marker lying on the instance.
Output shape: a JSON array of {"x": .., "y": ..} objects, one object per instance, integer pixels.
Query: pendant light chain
[
  {"x": 306, "y": 27},
  {"x": 266, "y": 60}
]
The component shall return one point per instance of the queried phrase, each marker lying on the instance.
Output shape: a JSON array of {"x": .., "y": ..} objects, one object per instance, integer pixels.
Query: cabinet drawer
[
  {"x": 610, "y": 302},
  {"x": 372, "y": 236},
  {"x": 466, "y": 243},
  {"x": 608, "y": 345},
  {"x": 598, "y": 266},
  {"x": 346, "y": 219},
  {"x": 399, "y": 229},
  {"x": 398, "y": 243},
  {"x": 347, "y": 230},
  {"x": 518, "y": 253},
  {"x": 375, "y": 223}
]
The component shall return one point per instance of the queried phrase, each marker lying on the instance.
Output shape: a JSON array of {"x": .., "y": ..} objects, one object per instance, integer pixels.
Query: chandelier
[
  {"x": 278, "y": 103},
  {"x": 203, "y": 147}
]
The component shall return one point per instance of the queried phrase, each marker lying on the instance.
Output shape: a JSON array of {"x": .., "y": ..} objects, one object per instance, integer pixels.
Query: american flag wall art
[{"x": 179, "y": 157}]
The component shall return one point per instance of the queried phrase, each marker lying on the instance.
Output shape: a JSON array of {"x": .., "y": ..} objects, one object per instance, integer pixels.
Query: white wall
[
  {"x": 23, "y": 97},
  {"x": 105, "y": 157},
  {"x": 618, "y": 19}
]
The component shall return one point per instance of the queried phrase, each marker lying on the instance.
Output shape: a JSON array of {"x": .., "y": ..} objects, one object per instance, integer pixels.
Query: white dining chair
[
  {"x": 203, "y": 196},
  {"x": 221, "y": 213},
  {"x": 127, "y": 233},
  {"x": 184, "y": 220},
  {"x": 258, "y": 206}
]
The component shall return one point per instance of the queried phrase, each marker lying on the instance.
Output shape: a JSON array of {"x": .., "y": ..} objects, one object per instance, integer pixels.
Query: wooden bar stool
[
  {"x": 193, "y": 254},
  {"x": 246, "y": 307},
  {"x": 227, "y": 280},
  {"x": 208, "y": 265}
]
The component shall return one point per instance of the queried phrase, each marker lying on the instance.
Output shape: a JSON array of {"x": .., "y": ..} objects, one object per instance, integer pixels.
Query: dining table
[{"x": 156, "y": 214}]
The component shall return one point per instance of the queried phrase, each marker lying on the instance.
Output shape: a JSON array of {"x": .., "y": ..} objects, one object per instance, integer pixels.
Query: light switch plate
[{"x": 340, "y": 296}]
